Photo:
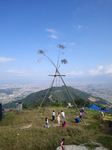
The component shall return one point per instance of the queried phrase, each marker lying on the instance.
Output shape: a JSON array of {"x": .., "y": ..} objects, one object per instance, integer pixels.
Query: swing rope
[
  {"x": 43, "y": 100},
  {"x": 28, "y": 126}
]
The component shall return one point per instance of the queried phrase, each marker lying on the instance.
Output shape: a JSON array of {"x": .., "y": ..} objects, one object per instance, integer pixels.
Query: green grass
[
  {"x": 106, "y": 140},
  {"x": 37, "y": 137}
]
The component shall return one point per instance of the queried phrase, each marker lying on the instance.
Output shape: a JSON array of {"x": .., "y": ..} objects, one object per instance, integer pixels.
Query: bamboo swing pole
[{"x": 64, "y": 85}]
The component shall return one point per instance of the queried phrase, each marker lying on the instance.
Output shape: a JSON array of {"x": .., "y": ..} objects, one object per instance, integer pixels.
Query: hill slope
[{"x": 58, "y": 93}]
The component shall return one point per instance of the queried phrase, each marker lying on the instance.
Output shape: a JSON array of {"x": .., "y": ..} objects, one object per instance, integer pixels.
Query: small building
[{"x": 19, "y": 106}]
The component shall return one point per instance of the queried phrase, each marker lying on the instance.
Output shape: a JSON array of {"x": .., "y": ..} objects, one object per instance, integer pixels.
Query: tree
[
  {"x": 25, "y": 106},
  {"x": 80, "y": 102},
  {"x": 56, "y": 104},
  {"x": 65, "y": 103},
  {"x": 87, "y": 104}
]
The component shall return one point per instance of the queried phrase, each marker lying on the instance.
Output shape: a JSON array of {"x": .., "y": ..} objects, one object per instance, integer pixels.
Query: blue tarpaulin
[{"x": 97, "y": 108}]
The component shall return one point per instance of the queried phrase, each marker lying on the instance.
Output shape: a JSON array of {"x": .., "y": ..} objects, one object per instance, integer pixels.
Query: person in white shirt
[
  {"x": 47, "y": 123},
  {"x": 102, "y": 114},
  {"x": 63, "y": 116},
  {"x": 53, "y": 115}
]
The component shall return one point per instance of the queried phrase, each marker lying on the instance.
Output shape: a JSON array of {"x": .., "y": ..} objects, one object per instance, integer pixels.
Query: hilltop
[
  {"x": 61, "y": 94},
  {"x": 37, "y": 137}
]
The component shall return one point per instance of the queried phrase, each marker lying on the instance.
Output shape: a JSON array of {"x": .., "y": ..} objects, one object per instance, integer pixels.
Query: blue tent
[{"x": 97, "y": 108}]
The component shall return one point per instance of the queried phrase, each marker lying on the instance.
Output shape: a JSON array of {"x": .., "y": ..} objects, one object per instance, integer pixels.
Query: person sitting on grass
[
  {"x": 64, "y": 124},
  {"x": 77, "y": 119},
  {"x": 62, "y": 144},
  {"x": 47, "y": 123}
]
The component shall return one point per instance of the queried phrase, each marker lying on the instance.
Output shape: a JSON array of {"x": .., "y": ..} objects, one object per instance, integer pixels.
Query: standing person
[
  {"x": 80, "y": 114},
  {"x": 58, "y": 117},
  {"x": 102, "y": 114},
  {"x": 47, "y": 123},
  {"x": 63, "y": 115},
  {"x": 53, "y": 115},
  {"x": 82, "y": 111},
  {"x": 62, "y": 144}
]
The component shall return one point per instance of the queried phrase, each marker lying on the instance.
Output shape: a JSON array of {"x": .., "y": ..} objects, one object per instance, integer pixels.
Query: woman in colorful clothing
[
  {"x": 62, "y": 144},
  {"x": 58, "y": 117},
  {"x": 82, "y": 111}
]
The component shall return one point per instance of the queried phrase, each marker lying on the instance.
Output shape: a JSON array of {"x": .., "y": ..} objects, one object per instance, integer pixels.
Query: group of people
[
  {"x": 81, "y": 116},
  {"x": 63, "y": 118},
  {"x": 64, "y": 121},
  {"x": 58, "y": 118}
]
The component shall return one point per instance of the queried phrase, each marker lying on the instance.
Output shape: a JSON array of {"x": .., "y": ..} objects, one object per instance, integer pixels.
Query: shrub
[
  {"x": 56, "y": 104},
  {"x": 80, "y": 102},
  {"x": 25, "y": 106}
]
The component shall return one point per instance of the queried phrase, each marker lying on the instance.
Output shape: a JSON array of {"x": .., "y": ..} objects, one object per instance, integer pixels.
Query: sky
[{"x": 84, "y": 27}]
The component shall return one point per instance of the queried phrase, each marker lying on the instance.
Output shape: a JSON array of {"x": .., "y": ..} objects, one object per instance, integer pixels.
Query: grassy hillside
[
  {"x": 57, "y": 93},
  {"x": 37, "y": 137}
]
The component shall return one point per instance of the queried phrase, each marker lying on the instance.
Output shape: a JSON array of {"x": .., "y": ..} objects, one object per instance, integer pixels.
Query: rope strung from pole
[
  {"x": 43, "y": 100},
  {"x": 49, "y": 91}
]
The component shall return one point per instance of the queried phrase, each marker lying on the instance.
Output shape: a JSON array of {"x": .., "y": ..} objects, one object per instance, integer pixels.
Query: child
[
  {"x": 64, "y": 124},
  {"x": 53, "y": 115},
  {"x": 81, "y": 115},
  {"x": 58, "y": 117},
  {"x": 47, "y": 123},
  {"x": 62, "y": 144}
]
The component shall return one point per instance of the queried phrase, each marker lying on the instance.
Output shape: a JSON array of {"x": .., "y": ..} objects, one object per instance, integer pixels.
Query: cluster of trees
[
  {"x": 64, "y": 103},
  {"x": 82, "y": 103}
]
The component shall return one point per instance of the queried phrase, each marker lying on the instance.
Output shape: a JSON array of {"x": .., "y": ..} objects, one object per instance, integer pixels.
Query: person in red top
[
  {"x": 62, "y": 144},
  {"x": 64, "y": 124}
]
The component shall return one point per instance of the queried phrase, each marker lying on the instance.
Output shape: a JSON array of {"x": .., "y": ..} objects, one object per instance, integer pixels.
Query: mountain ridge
[{"x": 58, "y": 93}]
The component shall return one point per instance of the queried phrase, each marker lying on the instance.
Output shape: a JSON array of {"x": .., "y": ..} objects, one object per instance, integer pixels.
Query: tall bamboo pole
[{"x": 64, "y": 84}]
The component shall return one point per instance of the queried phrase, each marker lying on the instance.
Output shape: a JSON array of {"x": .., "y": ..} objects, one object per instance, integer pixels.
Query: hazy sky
[{"x": 83, "y": 26}]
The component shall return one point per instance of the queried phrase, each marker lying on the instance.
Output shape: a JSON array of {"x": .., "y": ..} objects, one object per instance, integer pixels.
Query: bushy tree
[
  {"x": 80, "y": 102},
  {"x": 87, "y": 104},
  {"x": 56, "y": 104},
  {"x": 65, "y": 103},
  {"x": 25, "y": 106}
]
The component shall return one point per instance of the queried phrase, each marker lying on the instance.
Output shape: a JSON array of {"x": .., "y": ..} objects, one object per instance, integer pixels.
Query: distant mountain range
[{"x": 61, "y": 94}]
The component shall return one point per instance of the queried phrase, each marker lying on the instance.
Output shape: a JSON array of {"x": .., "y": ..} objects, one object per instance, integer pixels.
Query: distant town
[{"x": 19, "y": 91}]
